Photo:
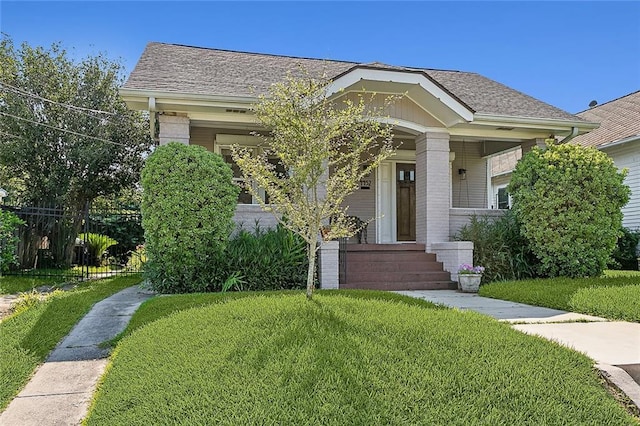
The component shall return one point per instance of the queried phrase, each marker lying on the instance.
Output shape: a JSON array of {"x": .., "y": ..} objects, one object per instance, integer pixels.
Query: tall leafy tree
[
  {"x": 66, "y": 137},
  {"x": 325, "y": 146}
]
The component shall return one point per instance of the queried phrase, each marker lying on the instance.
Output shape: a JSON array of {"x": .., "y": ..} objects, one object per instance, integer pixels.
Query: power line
[
  {"x": 61, "y": 129},
  {"x": 10, "y": 135},
  {"x": 81, "y": 109}
]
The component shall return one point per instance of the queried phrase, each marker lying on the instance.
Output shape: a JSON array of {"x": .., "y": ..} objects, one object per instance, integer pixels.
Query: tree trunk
[{"x": 311, "y": 256}]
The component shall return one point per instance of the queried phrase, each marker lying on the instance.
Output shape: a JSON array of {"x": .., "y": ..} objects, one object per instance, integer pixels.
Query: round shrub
[
  {"x": 187, "y": 207},
  {"x": 568, "y": 200}
]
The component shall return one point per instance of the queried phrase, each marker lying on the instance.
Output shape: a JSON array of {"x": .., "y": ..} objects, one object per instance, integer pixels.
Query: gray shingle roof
[
  {"x": 196, "y": 70},
  {"x": 619, "y": 119}
]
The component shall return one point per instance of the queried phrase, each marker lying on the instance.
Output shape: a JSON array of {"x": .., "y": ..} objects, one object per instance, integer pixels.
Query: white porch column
[
  {"x": 433, "y": 188},
  {"x": 328, "y": 272},
  {"x": 173, "y": 128}
]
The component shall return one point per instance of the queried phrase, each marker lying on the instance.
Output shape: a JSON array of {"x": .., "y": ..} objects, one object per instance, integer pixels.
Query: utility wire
[
  {"x": 61, "y": 129},
  {"x": 81, "y": 109},
  {"x": 10, "y": 135}
]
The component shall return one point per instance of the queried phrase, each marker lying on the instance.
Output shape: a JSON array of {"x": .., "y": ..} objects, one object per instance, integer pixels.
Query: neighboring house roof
[
  {"x": 619, "y": 119},
  {"x": 202, "y": 71}
]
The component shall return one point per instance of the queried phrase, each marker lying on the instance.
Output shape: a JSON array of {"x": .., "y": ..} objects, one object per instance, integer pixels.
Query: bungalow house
[
  {"x": 446, "y": 126},
  {"x": 619, "y": 137}
]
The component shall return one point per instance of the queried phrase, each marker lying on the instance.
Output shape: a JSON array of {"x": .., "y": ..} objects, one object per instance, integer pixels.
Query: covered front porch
[{"x": 417, "y": 199}]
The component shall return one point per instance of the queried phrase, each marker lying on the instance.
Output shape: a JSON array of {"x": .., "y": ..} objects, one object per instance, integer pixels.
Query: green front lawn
[
  {"x": 337, "y": 360},
  {"x": 27, "y": 338},
  {"x": 157, "y": 308},
  {"x": 10, "y": 284},
  {"x": 610, "y": 297}
]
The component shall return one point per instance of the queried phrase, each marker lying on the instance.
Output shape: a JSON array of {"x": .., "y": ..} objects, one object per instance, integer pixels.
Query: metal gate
[{"x": 77, "y": 243}]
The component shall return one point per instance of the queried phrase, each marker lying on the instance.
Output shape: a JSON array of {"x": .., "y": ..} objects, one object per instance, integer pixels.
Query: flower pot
[{"x": 469, "y": 283}]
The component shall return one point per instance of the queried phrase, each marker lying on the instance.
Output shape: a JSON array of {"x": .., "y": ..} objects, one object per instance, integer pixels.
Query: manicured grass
[
  {"x": 27, "y": 338},
  {"x": 611, "y": 302},
  {"x": 558, "y": 293},
  {"x": 10, "y": 284},
  {"x": 160, "y": 307},
  {"x": 344, "y": 360},
  {"x": 96, "y": 269}
]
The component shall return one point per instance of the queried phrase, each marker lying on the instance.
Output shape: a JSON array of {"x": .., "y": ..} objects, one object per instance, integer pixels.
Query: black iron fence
[
  {"x": 78, "y": 243},
  {"x": 342, "y": 260}
]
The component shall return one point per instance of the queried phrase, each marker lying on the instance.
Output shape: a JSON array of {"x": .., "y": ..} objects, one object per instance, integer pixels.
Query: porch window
[
  {"x": 503, "y": 199},
  {"x": 280, "y": 170},
  {"x": 245, "y": 196}
]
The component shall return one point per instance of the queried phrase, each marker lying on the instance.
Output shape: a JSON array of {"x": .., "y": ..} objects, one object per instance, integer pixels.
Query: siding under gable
[{"x": 403, "y": 109}]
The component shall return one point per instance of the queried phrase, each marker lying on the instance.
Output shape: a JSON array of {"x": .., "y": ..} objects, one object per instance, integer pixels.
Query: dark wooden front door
[{"x": 406, "y": 201}]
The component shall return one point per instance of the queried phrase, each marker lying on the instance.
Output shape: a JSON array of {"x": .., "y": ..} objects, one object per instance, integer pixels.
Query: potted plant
[{"x": 469, "y": 277}]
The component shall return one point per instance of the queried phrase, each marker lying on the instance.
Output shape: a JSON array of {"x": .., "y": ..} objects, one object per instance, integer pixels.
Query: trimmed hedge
[
  {"x": 187, "y": 207},
  {"x": 568, "y": 200}
]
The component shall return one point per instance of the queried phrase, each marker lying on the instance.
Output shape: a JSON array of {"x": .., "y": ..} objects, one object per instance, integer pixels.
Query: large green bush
[
  {"x": 187, "y": 207},
  {"x": 9, "y": 222},
  {"x": 499, "y": 246},
  {"x": 568, "y": 200}
]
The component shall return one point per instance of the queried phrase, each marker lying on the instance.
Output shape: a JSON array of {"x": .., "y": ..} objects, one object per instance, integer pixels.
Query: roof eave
[
  {"x": 533, "y": 122},
  {"x": 137, "y": 95},
  {"x": 623, "y": 141}
]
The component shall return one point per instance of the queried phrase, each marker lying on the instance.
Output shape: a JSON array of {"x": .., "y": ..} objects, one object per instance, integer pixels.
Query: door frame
[{"x": 386, "y": 201}]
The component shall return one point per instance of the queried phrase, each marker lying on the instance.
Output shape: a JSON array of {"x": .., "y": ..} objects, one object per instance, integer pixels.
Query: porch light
[{"x": 462, "y": 173}]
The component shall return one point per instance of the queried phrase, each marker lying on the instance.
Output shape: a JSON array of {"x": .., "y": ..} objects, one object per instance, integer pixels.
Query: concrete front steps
[{"x": 394, "y": 267}]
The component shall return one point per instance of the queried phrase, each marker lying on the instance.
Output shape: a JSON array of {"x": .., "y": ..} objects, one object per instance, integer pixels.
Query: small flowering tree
[{"x": 326, "y": 147}]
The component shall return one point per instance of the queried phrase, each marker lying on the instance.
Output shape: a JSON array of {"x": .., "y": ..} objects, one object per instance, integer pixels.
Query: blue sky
[{"x": 564, "y": 53}]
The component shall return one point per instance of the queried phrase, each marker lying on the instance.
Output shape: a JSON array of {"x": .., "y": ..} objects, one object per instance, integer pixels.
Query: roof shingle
[
  {"x": 619, "y": 119},
  {"x": 195, "y": 70}
]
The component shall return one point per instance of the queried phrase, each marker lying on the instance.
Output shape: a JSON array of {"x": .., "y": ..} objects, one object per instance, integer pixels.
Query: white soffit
[{"x": 402, "y": 78}]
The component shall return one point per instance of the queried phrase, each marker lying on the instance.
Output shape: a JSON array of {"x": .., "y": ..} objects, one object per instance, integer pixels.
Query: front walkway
[
  {"x": 60, "y": 391},
  {"x": 613, "y": 345}
]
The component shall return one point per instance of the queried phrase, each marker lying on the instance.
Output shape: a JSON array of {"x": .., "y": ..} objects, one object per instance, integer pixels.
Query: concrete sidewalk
[
  {"x": 60, "y": 391},
  {"x": 613, "y": 345}
]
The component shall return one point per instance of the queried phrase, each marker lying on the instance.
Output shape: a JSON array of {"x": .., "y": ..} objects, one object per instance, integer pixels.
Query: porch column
[
  {"x": 529, "y": 144},
  {"x": 433, "y": 188},
  {"x": 173, "y": 128},
  {"x": 328, "y": 265}
]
